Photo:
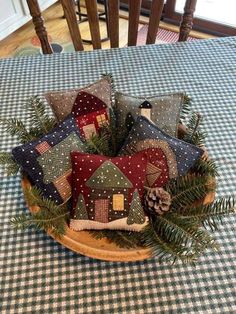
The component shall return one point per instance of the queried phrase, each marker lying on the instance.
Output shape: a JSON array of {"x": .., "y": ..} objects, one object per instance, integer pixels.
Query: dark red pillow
[
  {"x": 107, "y": 192},
  {"x": 90, "y": 113}
]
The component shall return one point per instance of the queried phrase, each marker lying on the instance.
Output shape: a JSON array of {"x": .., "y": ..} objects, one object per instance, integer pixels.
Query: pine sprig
[
  {"x": 109, "y": 140},
  {"x": 99, "y": 144},
  {"x": 186, "y": 190},
  {"x": 186, "y": 108},
  {"x": 8, "y": 162},
  {"x": 17, "y": 128},
  {"x": 206, "y": 167},
  {"x": 38, "y": 115},
  {"x": 184, "y": 232},
  {"x": 123, "y": 239},
  {"x": 210, "y": 215},
  {"x": 194, "y": 135},
  {"x": 164, "y": 250},
  {"x": 50, "y": 216}
]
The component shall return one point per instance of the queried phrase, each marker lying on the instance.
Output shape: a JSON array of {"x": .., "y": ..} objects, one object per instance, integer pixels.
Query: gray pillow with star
[{"x": 163, "y": 110}]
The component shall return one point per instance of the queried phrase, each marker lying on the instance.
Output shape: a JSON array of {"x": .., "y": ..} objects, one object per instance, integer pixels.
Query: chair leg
[
  {"x": 40, "y": 29},
  {"x": 106, "y": 16},
  {"x": 187, "y": 19},
  {"x": 79, "y": 9}
]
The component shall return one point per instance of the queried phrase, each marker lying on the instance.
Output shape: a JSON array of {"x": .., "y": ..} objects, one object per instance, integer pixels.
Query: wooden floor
[{"x": 58, "y": 31}]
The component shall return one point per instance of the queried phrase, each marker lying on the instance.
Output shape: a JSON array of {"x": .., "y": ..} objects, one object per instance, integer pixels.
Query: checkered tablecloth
[{"x": 37, "y": 275}]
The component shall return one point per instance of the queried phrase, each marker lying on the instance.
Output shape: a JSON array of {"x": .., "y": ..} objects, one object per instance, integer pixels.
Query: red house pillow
[
  {"x": 62, "y": 102},
  {"x": 107, "y": 192},
  {"x": 90, "y": 113}
]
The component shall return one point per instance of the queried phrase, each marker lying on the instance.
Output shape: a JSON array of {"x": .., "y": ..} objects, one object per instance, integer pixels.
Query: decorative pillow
[
  {"x": 163, "y": 110},
  {"x": 62, "y": 102},
  {"x": 47, "y": 160},
  {"x": 168, "y": 157},
  {"x": 107, "y": 192}
]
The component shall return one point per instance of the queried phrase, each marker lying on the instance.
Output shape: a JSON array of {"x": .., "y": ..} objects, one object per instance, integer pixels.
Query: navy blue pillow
[
  {"x": 168, "y": 157},
  {"x": 47, "y": 160}
]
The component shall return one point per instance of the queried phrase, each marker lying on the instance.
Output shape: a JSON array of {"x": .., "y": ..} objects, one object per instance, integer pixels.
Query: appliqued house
[
  {"x": 146, "y": 109},
  {"x": 111, "y": 190},
  {"x": 107, "y": 199},
  {"x": 90, "y": 113}
]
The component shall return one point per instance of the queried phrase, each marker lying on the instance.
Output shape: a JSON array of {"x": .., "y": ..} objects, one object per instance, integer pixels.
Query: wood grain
[
  {"x": 134, "y": 12},
  {"x": 40, "y": 29},
  {"x": 155, "y": 17},
  {"x": 187, "y": 19},
  {"x": 92, "y": 12},
  {"x": 113, "y": 22},
  {"x": 70, "y": 15},
  {"x": 83, "y": 243}
]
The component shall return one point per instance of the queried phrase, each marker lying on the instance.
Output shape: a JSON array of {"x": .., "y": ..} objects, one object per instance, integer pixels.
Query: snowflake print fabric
[
  {"x": 107, "y": 192},
  {"x": 47, "y": 161},
  {"x": 168, "y": 157}
]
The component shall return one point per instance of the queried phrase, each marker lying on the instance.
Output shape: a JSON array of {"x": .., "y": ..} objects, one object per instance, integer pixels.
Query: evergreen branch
[
  {"x": 49, "y": 216},
  {"x": 165, "y": 250},
  {"x": 186, "y": 107},
  {"x": 17, "y": 128},
  {"x": 111, "y": 79},
  {"x": 98, "y": 145},
  {"x": 194, "y": 135},
  {"x": 210, "y": 215},
  {"x": 56, "y": 222},
  {"x": 123, "y": 239},
  {"x": 206, "y": 167},
  {"x": 197, "y": 139},
  {"x": 10, "y": 165},
  {"x": 187, "y": 190},
  {"x": 38, "y": 116},
  {"x": 184, "y": 232}
]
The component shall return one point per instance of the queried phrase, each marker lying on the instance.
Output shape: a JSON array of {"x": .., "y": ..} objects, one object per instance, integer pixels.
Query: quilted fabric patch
[
  {"x": 47, "y": 160},
  {"x": 62, "y": 102},
  {"x": 168, "y": 157},
  {"x": 107, "y": 192},
  {"x": 90, "y": 113},
  {"x": 163, "y": 110}
]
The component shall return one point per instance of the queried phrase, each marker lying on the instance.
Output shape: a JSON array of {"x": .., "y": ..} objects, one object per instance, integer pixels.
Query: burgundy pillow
[{"x": 107, "y": 192}]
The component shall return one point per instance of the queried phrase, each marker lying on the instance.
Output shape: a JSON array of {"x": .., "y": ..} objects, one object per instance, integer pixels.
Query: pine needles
[
  {"x": 10, "y": 165},
  {"x": 49, "y": 217},
  {"x": 38, "y": 117},
  {"x": 180, "y": 234}
]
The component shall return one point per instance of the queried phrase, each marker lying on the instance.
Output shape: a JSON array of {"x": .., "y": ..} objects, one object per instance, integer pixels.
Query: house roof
[
  {"x": 86, "y": 103},
  {"x": 108, "y": 176},
  {"x": 145, "y": 105}
]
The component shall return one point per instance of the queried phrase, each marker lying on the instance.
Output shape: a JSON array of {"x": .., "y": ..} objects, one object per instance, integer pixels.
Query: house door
[{"x": 101, "y": 210}]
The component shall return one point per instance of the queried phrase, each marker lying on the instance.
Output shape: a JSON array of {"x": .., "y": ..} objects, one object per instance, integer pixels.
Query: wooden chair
[{"x": 113, "y": 22}]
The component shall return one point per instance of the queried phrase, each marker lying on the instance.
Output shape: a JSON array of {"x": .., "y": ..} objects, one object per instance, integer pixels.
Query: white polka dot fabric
[
  {"x": 164, "y": 112},
  {"x": 62, "y": 101}
]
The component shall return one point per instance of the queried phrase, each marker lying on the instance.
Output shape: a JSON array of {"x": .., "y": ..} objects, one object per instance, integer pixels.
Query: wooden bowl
[{"x": 82, "y": 241}]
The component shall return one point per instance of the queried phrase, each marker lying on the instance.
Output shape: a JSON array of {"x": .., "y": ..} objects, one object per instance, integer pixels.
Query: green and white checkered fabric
[{"x": 37, "y": 275}]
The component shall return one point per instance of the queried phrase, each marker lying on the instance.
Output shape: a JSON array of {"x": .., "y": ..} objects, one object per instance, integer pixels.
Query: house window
[
  {"x": 118, "y": 202},
  {"x": 101, "y": 119}
]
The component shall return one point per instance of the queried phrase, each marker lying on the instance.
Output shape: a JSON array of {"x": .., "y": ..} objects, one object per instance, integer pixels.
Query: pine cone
[{"x": 157, "y": 200}]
